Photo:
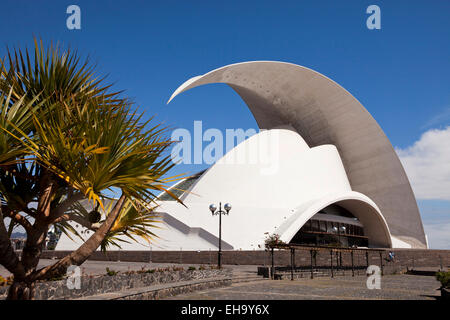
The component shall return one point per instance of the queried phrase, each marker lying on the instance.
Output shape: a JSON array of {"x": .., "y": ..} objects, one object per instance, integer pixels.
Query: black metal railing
[{"x": 357, "y": 259}]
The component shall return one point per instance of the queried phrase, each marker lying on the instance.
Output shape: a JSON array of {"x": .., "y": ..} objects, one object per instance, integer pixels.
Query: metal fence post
[
  {"x": 272, "y": 272},
  {"x": 353, "y": 264},
  {"x": 293, "y": 259},
  {"x": 292, "y": 264},
  {"x": 337, "y": 261},
  {"x": 315, "y": 258},
  {"x": 331, "y": 256},
  {"x": 367, "y": 259},
  {"x": 381, "y": 262}
]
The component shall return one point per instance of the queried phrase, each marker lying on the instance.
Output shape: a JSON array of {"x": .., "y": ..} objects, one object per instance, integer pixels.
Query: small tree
[
  {"x": 64, "y": 139},
  {"x": 273, "y": 240},
  {"x": 444, "y": 278}
]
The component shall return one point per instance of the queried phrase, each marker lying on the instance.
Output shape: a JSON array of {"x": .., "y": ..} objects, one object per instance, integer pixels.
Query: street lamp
[
  {"x": 336, "y": 230},
  {"x": 219, "y": 212},
  {"x": 342, "y": 231}
]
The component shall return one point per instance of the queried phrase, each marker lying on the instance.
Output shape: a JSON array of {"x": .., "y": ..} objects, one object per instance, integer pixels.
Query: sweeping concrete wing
[{"x": 323, "y": 113}]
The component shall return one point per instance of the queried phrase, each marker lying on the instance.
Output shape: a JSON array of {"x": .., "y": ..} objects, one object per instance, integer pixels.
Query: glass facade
[{"x": 332, "y": 226}]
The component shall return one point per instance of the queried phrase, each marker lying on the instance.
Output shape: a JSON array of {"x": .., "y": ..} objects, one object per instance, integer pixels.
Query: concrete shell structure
[
  {"x": 321, "y": 148},
  {"x": 323, "y": 112}
]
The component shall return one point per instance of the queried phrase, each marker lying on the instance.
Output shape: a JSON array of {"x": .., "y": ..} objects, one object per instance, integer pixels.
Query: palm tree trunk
[
  {"x": 80, "y": 255},
  {"x": 21, "y": 290},
  {"x": 8, "y": 258},
  {"x": 34, "y": 245},
  {"x": 24, "y": 288}
]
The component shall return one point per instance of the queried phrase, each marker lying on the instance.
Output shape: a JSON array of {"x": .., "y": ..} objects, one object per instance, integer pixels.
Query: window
[{"x": 323, "y": 226}]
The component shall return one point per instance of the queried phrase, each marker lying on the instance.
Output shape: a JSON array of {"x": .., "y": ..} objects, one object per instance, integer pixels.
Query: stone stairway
[{"x": 246, "y": 276}]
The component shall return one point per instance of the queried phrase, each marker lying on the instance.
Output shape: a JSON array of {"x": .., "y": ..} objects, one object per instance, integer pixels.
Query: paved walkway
[
  {"x": 397, "y": 287},
  {"x": 402, "y": 287},
  {"x": 99, "y": 267}
]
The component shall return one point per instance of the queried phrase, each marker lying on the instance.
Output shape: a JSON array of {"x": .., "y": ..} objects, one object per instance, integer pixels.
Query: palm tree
[{"x": 65, "y": 139}]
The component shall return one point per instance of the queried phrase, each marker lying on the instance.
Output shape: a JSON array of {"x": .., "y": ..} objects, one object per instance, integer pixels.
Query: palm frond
[{"x": 58, "y": 119}]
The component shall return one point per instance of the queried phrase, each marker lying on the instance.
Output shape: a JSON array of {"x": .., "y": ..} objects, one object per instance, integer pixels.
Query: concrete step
[
  {"x": 161, "y": 291},
  {"x": 307, "y": 274},
  {"x": 246, "y": 277}
]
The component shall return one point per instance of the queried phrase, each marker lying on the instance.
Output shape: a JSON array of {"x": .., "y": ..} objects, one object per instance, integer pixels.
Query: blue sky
[{"x": 399, "y": 73}]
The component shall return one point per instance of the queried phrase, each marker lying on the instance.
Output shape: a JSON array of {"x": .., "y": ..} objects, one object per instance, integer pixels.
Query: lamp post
[
  {"x": 336, "y": 230},
  {"x": 341, "y": 230},
  {"x": 219, "y": 212}
]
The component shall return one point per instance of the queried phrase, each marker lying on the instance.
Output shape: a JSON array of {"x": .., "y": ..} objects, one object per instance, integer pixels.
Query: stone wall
[
  {"x": 175, "y": 290},
  {"x": 404, "y": 258},
  {"x": 93, "y": 285}
]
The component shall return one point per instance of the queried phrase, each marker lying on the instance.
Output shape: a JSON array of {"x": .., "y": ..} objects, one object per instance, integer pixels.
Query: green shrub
[
  {"x": 444, "y": 279},
  {"x": 273, "y": 240},
  {"x": 110, "y": 272},
  {"x": 191, "y": 268}
]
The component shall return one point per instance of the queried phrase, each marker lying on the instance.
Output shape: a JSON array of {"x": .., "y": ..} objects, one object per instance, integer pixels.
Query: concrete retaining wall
[
  {"x": 404, "y": 258},
  {"x": 94, "y": 285},
  {"x": 175, "y": 290}
]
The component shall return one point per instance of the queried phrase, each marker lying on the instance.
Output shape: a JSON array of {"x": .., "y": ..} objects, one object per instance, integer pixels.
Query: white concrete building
[{"x": 322, "y": 172}]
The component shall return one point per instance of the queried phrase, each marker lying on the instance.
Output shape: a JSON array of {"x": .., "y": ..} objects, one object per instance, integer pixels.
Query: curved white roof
[
  {"x": 321, "y": 147},
  {"x": 323, "y": 112}
]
